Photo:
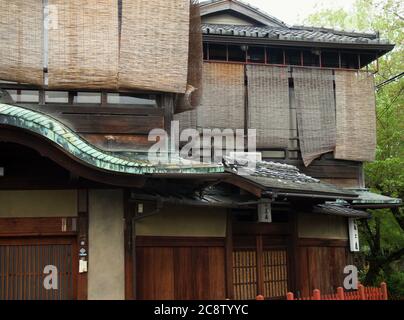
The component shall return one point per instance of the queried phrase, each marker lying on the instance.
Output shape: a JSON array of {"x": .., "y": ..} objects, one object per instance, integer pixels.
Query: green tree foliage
[{"x": 383, "y": 235}]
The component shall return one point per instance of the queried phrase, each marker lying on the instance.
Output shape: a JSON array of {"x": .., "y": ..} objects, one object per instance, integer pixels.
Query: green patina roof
[
  {"x": 72, "y": 143},
  {"x": 367, "y": 197}
]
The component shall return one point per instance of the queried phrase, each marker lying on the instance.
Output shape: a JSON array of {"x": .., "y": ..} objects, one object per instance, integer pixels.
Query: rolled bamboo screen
[
  {"x": 83, "y": 47},
  {"x": 356, "y": 116},
  {"x": 21, "y": 41},
  {"x": 222, "y": 103},
  {"x": 268, "y": 105},
  {"x": 192, "y": 98},
  {"x": 153, "y": 53},
  {"x": 315, "y": 106}
]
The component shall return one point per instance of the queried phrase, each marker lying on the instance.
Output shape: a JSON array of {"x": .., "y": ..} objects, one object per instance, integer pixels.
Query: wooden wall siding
[
  {"x": 21, "y": 40},
  {"x": 268, "y": 105},
  {"x": 180, "y": 272},
  {"x": 245, "y": 274},
  {"x": 106, "y": 120},
  {"x": 37, "y": 226},
  {"x": 84, "y": 47},
  {"x": 22, "y": 263},
  {"x": 356, "y": 116},
  {"x": 321, "y": 266}
]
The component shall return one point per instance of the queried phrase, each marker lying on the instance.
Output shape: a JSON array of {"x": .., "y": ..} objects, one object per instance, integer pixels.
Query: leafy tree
[{"x": 384, "y": 233}]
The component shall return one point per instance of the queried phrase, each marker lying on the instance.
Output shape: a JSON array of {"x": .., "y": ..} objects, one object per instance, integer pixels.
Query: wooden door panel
[{"x": 22, "y": 263}]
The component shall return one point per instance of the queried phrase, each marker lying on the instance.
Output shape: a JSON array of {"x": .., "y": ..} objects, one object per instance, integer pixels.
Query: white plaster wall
[{"x": 106, "y": 277}]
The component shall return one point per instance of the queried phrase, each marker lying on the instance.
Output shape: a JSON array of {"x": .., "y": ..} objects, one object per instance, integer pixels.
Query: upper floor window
[{"x": 335, "y": 59}]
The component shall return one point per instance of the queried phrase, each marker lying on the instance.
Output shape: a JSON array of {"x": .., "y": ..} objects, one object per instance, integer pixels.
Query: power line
[{"x": 389, "y": 80}]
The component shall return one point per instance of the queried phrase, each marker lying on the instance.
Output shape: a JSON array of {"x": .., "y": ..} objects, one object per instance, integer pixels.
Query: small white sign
[
  {"x": 1, "y": 172},
  {"x": 353, "y": 235},
  {"x": 82, "y": 266},
  {"x": 264, "y": 212}
]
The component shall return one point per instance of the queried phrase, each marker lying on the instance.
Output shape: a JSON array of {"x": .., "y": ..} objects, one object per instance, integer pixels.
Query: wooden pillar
[
  {"x": 260, "y": 266},
  {"x": 229, "y": 256},
  {"x": 294, "y": 281},
  {"x": 130, "y": 249},
  {"x": 82, "y": 241},
  {"x": 166, "y": 102}
]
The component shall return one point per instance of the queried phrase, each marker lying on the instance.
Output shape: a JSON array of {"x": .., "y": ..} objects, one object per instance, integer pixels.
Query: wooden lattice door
[{"x": 22, "y": 264}]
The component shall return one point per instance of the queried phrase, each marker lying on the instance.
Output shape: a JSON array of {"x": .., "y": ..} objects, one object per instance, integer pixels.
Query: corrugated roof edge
[{"x": 59, "y": 134}]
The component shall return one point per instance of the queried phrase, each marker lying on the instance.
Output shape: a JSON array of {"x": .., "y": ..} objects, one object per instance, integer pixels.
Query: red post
[
  {"x": 316, "y": 294},
  {"x": 383, "y": 287},
  {"x": 340, "y": 293},
  {"x": 260, "y": 297},
  {"x": 361, "y": 290},
  {"x": 290, "y": 296}
]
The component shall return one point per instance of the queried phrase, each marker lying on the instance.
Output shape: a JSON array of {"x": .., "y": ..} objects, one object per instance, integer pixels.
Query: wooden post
[
  {"x": 340, "y": 293},
  {"x": 229, "y": 256},
  {"x": 383, "y": 287},
  {"x": 316, "y": 294},
  {"x": 82, "y": 240},
  {"x": 290, "y": 296},
  {"x": 361, "y": 290},
  {"x": 260, "y": 297}
]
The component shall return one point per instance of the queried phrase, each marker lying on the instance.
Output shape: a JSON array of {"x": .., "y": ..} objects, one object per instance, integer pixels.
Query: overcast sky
[{"x": 295, "y": 11}]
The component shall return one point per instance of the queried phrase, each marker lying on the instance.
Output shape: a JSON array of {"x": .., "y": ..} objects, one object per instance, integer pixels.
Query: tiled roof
[
  {"x": 309, "y": 34},
  {"x": 73, "y": 144},
  {"x": 283, "y": 178},
  {"x": 340, "y": 210},
  {"x": 367, "y": 197}
]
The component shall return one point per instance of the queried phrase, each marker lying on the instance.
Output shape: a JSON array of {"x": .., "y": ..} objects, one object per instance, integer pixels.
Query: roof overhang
[
  {"x": 371, "y": 200},
  {"x": 241, "y": 8},
  {"x": 340, "y": 210}
]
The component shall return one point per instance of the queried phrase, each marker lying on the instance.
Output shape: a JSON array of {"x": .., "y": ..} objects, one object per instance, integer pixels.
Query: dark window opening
[
  {"x": 275, "y": 56},
  {"x": 218, "y": 52},
  {"x": 349, "y": 60},
  {"x": 311, "y": 58},
  {"x": 256, "y": 54},
  {"x": 293, "y": 57},
  {"x": 330, "y": 59},
  {"x": 237, "y": 53},
  {"x": 366, "y": 58},
  {"x": 205, "y": 51}
]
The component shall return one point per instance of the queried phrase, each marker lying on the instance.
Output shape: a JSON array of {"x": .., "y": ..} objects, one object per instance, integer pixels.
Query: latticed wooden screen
[
  {"x": 21, "y": 39},
  {"x": 245, "y": 274},
  {"x": 275, "y": 273},
  {"x": 22, "y": 271},
  {"x": 273, "y": 269}
]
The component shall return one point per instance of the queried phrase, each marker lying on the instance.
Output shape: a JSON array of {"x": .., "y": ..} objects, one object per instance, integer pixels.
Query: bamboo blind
[
  {"x": 153, "y": 53},
  {"x": 222, "y": 103},
  {"x": 83, "y": 47},
  {"x": 356, "y": 116},
  {"x": 315, "y": 106},
  {"x": 268, "y": 105},
  {"x": 186, "y": 102},
  {"x": 186, "y": 119},
  {"x": 275, "y": 273},
  {"x": 245, "y": 274},
  {"x": 21, "y": 40}
]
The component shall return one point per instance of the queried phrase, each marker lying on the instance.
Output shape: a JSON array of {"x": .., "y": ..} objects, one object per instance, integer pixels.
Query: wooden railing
[{"x": 363, "y": 293}]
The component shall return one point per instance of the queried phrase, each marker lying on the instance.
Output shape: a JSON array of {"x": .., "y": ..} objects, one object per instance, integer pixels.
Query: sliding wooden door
[{"x": 22, "y": 268}]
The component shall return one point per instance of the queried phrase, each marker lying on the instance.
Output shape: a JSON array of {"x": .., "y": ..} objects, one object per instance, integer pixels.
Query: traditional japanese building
[{"x": 82, "y": 90}]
